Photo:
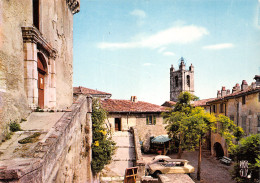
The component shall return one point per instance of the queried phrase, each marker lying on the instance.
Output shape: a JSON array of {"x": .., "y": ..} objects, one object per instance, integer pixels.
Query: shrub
[
  {"x": 32, "y": 138},
  {"x": 103, "y": 146},
  {"x": 14, "y": 126},
  {"x": 249, "y": 150}
]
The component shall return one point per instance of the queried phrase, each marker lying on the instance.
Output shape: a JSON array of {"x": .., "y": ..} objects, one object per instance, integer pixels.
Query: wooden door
[
  {"x": 117, "y": 124},
  {"x": 41, "y": 90}
]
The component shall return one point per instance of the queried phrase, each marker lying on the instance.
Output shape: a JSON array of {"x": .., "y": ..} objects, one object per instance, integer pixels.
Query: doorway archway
[{"x": 219, "y": 152}]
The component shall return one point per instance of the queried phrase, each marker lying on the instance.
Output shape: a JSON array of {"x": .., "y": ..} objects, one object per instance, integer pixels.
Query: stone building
[
  {"x": 181, "y": 80},
  {"x": 93, "y": 93},
  {"x": 146, "y": 117},
  {"x": 242, "y": 106},
  {"x": 36, "y": 41}
]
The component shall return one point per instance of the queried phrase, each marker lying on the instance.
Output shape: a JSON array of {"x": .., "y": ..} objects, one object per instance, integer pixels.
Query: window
[
  {"x": 36, "y": 14},
  {"x": 258, "y": 124},
  {"x": 150, "y": 120},
  {"x": 244, "y": 123},
  {"x": 214, "y": 108},
  {"x": 243, "y": 99},
  {"x": 188, "y": 81},
  {"x": 221, "y": 108},
  {"x": 176, "y": 81},
  {"x": 232, "y": 118}
]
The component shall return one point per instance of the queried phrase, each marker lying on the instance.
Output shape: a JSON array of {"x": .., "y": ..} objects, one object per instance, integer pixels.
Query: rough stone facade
[
  {"x": 24, "y": 45},
  {"x": 242, "y": 106},
  {"x": 62, "y": 155},
  {"x": 139, "y": 121},
  {"x": 181, "y": 80}
]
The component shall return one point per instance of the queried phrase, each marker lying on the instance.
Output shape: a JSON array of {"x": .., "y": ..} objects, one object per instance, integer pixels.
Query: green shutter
[
  {"x": 147, "y": 121},
  {"x": 154, "y": 120}
]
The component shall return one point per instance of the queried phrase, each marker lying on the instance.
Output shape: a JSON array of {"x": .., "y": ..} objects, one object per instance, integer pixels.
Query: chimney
[
  {"x": 133, "y": 99},
  {"x": 257, "y": 79},
  {"x": 253, "y": 85},
  {"x": 244, "y": 85},
  {"x": 228, "y": 91},
  {"x": 218, "y": 94},
  {"x": 236, "y": 88},
  {"x": 223, "y": 91}
]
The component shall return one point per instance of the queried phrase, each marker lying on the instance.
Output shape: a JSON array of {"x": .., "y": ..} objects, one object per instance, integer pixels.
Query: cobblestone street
[{"x": 212, "y": 171}]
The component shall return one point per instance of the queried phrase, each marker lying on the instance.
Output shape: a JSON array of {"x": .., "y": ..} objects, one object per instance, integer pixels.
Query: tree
[
  {"x": 199, "y": 124},
  {"x": 190, "y": 125},
  {"x": 248, "y": 150},
  {"x": 102, "y": 145},
  {"x": 177, "y": 120}
]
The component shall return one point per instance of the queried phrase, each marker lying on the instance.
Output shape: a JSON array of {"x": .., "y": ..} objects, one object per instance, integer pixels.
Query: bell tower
[{"x": 181, "y": 80}]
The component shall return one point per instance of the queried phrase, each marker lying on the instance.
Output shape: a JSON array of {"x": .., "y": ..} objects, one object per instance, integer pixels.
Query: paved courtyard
[{"x": 212, "y": 171}]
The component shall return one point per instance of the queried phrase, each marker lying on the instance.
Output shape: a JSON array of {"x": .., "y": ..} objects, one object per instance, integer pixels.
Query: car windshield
[{"x": 173, "y": 164}]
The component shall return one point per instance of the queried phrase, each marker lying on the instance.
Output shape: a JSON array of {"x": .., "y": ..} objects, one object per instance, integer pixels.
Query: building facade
[
  {"x": 146, "y": 117},
  {"x": 36, "y": 55},
  {"x": 242, "y": 106},
  {"x": 181, "y": 80}
]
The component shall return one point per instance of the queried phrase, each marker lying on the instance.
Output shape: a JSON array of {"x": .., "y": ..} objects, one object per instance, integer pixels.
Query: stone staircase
[{"x": 123, "y": 158}]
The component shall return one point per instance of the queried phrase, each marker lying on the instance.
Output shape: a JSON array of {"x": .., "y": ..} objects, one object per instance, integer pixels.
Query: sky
[{"x": 126, "y": 47}]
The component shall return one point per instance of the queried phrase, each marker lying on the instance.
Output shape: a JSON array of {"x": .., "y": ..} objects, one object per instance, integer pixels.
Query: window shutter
[{"x": 154, "y": 120}]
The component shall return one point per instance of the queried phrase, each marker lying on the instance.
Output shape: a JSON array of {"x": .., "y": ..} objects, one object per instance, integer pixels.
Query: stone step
[
  {"x": 110, "y": 179},
  {"x": 121, "y": 159},
  {"x": 124, "y": 153}
]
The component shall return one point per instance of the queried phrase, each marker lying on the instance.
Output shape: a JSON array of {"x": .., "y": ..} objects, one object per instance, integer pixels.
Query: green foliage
[
  {"x": 184, "y": 102},
  {"x": 248, "y": 149},
  {"x": 31, "y": 139},
  {"x": 188, "y": 124},
  {"x": 14, "y": 126},
  {"x": 102, "y": 146},
  {"x": 229, "y": 131}
]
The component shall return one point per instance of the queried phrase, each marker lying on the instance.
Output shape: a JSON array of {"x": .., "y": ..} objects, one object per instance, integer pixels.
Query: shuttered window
[{"x": 150, "y": 120}]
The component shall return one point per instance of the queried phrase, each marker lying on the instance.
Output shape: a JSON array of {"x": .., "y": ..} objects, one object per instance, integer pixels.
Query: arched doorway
[
  {"x": 218, "y": 150},
  {"x": 41, "y": 67}
]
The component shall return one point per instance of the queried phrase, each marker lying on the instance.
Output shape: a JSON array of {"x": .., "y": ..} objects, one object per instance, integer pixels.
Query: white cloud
[
  {"x": 138, "y": 13},
  {"x": 173, "y": 35},
  {"x": 161, "y": 50},
  {"x": 219, "y": 46},
  {"x": 168, "y": 53},
  {"x": 147, "y": 64}
]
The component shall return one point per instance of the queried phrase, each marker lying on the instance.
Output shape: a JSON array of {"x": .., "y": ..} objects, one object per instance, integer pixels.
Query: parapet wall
[
  {"x": 63, "y": 155},
  {"x": 138, "y": 154}
]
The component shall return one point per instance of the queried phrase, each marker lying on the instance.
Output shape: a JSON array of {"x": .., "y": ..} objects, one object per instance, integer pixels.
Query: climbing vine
[{"x": 102, "y": 145}]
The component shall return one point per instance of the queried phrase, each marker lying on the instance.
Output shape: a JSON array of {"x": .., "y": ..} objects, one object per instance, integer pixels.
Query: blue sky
[{"x": 126, "y": 47}]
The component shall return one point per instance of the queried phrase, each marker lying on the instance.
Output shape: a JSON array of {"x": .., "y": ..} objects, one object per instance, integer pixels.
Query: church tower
[{"x": 181, "y": 80}]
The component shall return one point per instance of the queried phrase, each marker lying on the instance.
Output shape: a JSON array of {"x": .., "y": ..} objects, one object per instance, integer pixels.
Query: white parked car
[{"x": 170, "y": 166}]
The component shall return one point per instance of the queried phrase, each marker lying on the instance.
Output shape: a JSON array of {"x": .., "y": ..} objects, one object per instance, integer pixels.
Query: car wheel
[{"x": 157, "y": 173}]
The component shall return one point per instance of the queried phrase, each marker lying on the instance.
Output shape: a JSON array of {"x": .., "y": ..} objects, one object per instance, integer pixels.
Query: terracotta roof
[
  {"x": 247, "y": 91},
  {"x": 85, "y": 91},
  {"x": 168, "y": 103},
  {"x": 114, "y": 105},
  {"x": 202, "y": 102}
]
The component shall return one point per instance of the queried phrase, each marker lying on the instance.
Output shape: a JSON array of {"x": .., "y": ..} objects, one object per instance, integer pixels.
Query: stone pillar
[
  {"x": 31, "y": 73},
  {"x": 52, "y": 90}
]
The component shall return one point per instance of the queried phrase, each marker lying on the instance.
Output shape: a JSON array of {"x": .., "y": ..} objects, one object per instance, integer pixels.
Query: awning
[{"x": 160, "y": 139}]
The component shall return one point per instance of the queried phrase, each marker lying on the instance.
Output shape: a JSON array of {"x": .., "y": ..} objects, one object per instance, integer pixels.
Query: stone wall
[
  {"x": 139, "y": 163},
  {"x": 18, "y": 56},
  {"x": 139, "y": 121},
  {"x": 63, "y": 155}
]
